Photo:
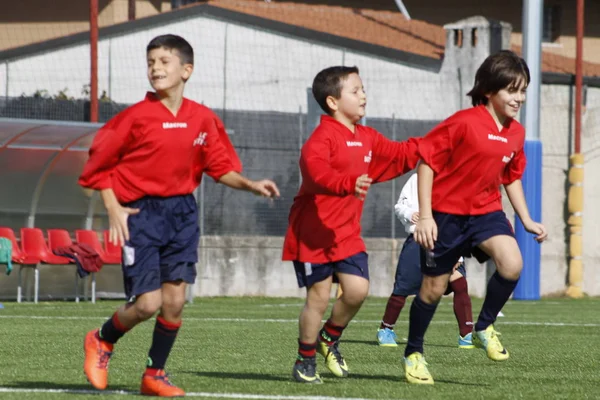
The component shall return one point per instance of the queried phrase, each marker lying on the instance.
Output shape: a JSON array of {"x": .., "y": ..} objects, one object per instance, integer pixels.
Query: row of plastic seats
[{"x": 34, "y": 250}]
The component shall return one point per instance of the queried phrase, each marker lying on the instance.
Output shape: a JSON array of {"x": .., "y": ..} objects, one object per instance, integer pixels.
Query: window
[{"x": 551, "y": 23}]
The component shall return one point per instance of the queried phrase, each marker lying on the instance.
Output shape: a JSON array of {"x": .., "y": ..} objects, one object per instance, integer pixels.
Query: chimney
[{"x": 468, "y": 43}]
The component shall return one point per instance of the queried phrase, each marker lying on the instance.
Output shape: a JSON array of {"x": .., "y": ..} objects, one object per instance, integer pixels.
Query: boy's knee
[
  {"x": 173, "y": 307},
  {"x": 432, "y": 290},
  {"x": 510, "y": 267},
  {"x": 146, "y": 308}
]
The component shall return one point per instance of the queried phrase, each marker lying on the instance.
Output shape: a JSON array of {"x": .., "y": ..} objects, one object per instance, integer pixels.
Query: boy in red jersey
[
  {"x": 476, "y": 150},
  {"x": 339, "y": 162},
  {"x": 146, "y": 162}
]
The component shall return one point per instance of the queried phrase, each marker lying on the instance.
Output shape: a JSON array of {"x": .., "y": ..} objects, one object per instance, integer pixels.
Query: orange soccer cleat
[
  {"x": 159, "y": 385},
  {"x": 97, "y": 356}
]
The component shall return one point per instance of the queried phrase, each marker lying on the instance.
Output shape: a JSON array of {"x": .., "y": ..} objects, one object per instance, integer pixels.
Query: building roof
[
  {"x": 381, "y": 33},
  {"x": 383, "y": 28}
]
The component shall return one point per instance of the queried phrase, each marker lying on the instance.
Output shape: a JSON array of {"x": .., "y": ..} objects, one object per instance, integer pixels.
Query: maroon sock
[
  {"x": 306, "y": 350},
  {"x": 330, "y": 333},
  {"x": 392, "y": 311},
  {"x": 462, "y": 306}
]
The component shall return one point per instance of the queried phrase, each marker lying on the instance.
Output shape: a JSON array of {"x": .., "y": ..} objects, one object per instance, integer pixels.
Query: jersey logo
[
  {"x": 506, "y": 159},
  {"x": 502, "y": 139},
  {"x": 174, "y": 125},
  {"x": 354, "y": 144},
  {"x": 201, "y": 139},
  {"x": 368, "y": 157}
]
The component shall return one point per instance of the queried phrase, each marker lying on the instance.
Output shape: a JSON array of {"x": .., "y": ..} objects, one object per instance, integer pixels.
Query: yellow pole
[{"x": 575, "y": 201}]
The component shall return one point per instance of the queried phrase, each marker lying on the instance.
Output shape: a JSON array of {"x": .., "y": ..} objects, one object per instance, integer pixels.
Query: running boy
[
  {"x": 409, "y": 277},
  {"x": 146, "y": 162},
  {"x": 478, "y": 150},
  {"x": 338, "y": 163}
]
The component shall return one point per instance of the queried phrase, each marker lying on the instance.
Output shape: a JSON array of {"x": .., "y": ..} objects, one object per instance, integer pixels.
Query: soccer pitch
[{"x": 244, "y": 348}]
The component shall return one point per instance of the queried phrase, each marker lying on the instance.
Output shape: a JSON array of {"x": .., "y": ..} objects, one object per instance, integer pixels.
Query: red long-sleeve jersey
[
  {"x": 145, "y": 150},
  {"x": 324, "y": 221},
  {"x": 471, "y": 158}
]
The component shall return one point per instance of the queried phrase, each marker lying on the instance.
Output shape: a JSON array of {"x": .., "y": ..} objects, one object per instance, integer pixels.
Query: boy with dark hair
[
  {"x": 146, "y": 162},
  {"x": 478, "y": 150},
  {"x": 338, "y": 163}
]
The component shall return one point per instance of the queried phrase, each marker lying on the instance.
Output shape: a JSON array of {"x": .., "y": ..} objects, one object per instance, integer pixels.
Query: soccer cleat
[
  {"x": 488, "y": 340},
  {"x": 159, "y": 385},
  {"x": 305, "y": 371},
  {"x": 333, "y": 359},
  {"x": 386, "y": 337},
  {"x": 415, "y": 370},
  {"x": 466, "y": 342},
  {"x": 97, "y": 356}
]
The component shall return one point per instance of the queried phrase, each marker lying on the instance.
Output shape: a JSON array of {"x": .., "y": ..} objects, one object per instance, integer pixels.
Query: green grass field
[{"x": 244, "y": 348}]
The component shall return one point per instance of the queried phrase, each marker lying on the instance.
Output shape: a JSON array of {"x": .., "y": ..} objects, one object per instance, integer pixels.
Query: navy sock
[
  {"x": 112, "y": 330},
  {"x": 421, "y": 315},
  {"x": 498, "y": 292},
  {"x": 163, "y": 338}
]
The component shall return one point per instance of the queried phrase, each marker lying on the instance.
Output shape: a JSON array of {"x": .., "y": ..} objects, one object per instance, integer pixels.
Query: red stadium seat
[
  {"x": 91, "y": 239},
  {"x": 61, "y": 238},
  {"x": 18, "y": 256},
  {"x": 111, "y": 249},
  {"x": 34, "y": 244},
  {"x": 25, "y": 261}
]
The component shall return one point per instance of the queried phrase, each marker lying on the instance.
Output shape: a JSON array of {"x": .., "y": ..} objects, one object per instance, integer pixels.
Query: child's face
[
  {"x": 165, "y": 69},
  {"x": 508, "y": 101},
  {"x": 353, "y": 99}
]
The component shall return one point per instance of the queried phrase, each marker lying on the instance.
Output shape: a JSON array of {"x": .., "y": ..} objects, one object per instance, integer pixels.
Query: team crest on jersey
[
  {"x": 369, "y": 156},
  {"x": 201, "y": 139},
  {"x": 506, "y": 159}
]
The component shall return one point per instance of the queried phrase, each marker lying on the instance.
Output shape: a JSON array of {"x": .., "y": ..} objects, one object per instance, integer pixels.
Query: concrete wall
[{"x": 233, "y": 266}]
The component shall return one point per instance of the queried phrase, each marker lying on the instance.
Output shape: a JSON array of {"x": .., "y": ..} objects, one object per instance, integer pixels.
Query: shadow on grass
[
  {"x": 241, "y": 375},
  {"x": 401, "y": 343},
  {"x": 67, "y": 388}
]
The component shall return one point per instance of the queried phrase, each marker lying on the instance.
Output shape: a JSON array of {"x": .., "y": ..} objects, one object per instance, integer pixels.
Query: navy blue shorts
[
  {"x": 408, "y": 271},
  {"x": 308, "y": 274},
  {"x": 163, "y": 244},
  {"x": 459, "y": 235}
]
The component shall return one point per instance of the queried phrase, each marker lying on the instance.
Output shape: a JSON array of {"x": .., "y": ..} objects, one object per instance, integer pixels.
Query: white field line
[
  {"x": 189, "y": 394},
  {"x": 287, "y": 321}
]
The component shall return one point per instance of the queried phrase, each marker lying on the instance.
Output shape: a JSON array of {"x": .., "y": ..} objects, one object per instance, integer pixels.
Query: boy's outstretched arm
[
  {"x": 516, "y": 195},
  {"x": 392, "y": 159},
  {"x": 265, "y": 187}
]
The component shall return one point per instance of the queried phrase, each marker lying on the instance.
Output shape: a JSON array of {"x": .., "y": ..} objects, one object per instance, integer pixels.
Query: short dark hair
[
  {"x": 328, "y": 82},
  {"x": 173, "y": 42},
  {"x": 497, "y": 72}
]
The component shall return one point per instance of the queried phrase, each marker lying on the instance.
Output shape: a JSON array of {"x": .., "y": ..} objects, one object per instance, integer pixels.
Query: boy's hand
[
  {"x": 265, "y": 188},
  {"x": 117, "y": 219},
  {"x": 362, "y": 186},
  {"x": 426, "y": 232},
  {"x": 537, "y": 229},
  {"x": 415, "y": 217}
]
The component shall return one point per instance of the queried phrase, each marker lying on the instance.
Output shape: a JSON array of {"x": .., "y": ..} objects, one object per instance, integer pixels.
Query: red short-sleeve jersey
[
  {"x": 145, "y": 150},
  {"x": 471, "y": 159}
]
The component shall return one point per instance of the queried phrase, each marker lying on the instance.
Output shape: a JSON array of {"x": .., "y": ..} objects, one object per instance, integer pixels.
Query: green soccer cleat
[
  {"x": 415, "y": 370},
  {"x": 488, "y": 340},
  {"x": 333, "y": 359},
  {"x": 305, "y": 371}
]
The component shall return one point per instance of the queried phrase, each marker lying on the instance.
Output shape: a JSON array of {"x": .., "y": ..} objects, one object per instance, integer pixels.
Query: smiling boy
[
  {"x": 339, "y": 162},
  {"x": 146, "y": 162}
]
